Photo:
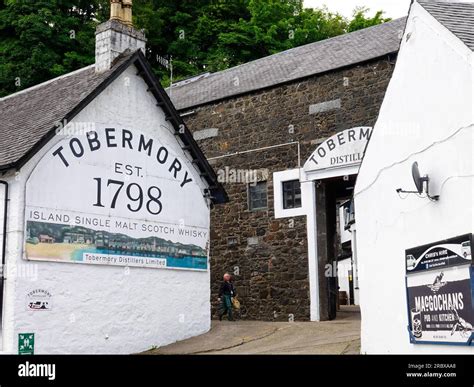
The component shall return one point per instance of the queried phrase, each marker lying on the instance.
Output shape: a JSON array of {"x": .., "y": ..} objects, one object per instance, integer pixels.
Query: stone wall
[{"x": 268, "y": 256}]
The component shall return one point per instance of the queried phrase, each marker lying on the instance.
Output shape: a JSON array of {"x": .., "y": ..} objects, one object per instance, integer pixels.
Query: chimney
[{"x": 116, "y": 35}]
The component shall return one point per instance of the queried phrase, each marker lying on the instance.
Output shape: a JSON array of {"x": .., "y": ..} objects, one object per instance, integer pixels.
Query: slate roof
[
  {"x": 29, "y": 118},
  {"x": 456, "y": 17},
  {"x": 290, "y": 65}
]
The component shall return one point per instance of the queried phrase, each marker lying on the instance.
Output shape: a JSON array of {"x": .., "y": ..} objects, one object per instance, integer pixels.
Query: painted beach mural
[{"x": 78, "y": 244}]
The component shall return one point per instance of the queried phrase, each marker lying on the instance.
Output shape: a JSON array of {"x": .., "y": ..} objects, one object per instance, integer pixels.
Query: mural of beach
[{"x": 64, "y": 243}]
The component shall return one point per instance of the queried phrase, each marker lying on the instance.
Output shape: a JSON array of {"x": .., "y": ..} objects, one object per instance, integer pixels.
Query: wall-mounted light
[{"x": 422, "y": 184}]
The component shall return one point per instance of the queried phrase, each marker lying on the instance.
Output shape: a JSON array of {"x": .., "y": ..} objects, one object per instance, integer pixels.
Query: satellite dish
[
  {"x": 415, "y": 172},
  {"x": 419, "y": 184}
]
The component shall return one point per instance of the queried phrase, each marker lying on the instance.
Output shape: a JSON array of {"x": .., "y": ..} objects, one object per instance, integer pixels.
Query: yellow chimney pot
[
  {"x": 121, "y": 10},
  {"x": 127, "y": 12},
  {"x": 116, "y": 10}
]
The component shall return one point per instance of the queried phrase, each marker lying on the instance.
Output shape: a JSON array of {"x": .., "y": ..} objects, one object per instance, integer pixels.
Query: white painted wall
[
  {"x": 427, "y": 116},
  {"x": 346, "y": 235},
  {"x": 105, "y": 309},
  {"x": 343, "y": 268}
]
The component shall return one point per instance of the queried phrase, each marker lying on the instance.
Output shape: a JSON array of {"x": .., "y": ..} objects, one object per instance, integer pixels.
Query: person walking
[{"x": 226, "y": 293}]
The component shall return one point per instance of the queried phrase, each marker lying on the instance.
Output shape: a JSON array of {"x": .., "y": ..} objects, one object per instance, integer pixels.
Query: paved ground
[{"x": 341, "y": 336}]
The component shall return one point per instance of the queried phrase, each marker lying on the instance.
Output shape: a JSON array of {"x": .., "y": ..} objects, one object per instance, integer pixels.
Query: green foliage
[
  {"x": 360, "y": 21},
  {"x": 41, "y": 39}
]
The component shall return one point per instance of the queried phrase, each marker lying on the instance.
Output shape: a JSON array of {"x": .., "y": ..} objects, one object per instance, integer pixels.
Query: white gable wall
[
  {"x": 426, "y": 116},
  {"x": 107, "y": 309}
]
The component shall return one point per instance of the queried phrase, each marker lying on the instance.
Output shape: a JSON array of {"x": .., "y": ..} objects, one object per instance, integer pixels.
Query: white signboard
[
  {"x": 117, "y": 197},
  {"x": 344, "y": 149}
]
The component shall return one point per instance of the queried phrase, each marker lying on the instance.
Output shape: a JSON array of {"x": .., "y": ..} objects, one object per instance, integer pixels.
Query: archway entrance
[{"x": 327, "y": 182}]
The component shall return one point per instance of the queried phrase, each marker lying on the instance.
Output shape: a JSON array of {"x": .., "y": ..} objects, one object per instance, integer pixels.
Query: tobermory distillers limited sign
[
  {"x": 116, "y": 197},
  {"x": 344, "y": 149}
]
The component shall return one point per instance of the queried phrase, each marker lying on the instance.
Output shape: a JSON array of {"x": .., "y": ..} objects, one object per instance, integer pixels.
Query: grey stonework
[
  {"x": 272, "y": 276},
  {"x": 325, "y": 106},
  {"x": 205, "y": 133}
]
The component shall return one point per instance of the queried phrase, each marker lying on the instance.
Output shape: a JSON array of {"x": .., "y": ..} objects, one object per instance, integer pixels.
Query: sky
[{"x": 392, "y": 8}]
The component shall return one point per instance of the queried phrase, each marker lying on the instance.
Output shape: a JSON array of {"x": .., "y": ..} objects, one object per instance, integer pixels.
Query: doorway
[{"x": 332, "y": 243}]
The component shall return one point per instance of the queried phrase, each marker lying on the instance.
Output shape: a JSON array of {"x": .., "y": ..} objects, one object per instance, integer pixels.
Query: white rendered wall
[
  {"x": 106, "y": 309},
  {"x": 426, "y": 116},
  {"x": 343, "y": 268}
]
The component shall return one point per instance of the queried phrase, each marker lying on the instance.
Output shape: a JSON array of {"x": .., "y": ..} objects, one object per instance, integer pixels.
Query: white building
[
  {"x": 409, "y": 263},
  {"x": 107, "y": 206}
]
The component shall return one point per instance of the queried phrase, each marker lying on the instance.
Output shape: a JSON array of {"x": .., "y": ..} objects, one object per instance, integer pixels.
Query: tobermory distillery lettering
[
  {"x": 126, "y": 140},
  {"x": 338, "y": 140},
  {"x": 138, "y": 195}
]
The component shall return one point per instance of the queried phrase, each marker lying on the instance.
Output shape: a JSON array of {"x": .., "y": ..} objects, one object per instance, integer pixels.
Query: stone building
[
  {"x": 106, "y": 209},
  {"x": 257, "y": 123}
]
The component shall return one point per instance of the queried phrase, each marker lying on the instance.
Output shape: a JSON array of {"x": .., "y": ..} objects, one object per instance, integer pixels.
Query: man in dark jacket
[{"x": 226, "y": 293}]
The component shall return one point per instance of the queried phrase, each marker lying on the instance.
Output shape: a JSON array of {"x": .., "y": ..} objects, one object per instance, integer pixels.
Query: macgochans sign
[
  {"x": 439, "y": 292},
  {"x": 344, "y": 149},
  {"x": 116, "y": 197}
]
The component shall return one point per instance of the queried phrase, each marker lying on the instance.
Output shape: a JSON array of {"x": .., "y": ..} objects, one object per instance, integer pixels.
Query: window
[
  {"x": 258, "y": 196},
  {"x": 291, "y": 194},
  {"x": 232, "y": 241}
]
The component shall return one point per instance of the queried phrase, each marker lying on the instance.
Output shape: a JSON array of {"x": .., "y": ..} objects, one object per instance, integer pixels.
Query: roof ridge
[{"x": 45, "y": 83}]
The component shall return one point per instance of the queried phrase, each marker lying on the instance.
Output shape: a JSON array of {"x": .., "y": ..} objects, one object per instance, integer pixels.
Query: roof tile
[
  {"x": 455, "y": 16},
  {"x": 27, "y": 116},
  {"x": 290, "y": 65}
]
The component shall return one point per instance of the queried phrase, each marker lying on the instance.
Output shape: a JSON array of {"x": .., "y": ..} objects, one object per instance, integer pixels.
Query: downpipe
[{"x": 4, "y": 250}]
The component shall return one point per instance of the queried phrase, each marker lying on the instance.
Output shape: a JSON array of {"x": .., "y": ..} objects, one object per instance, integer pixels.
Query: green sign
[{"x": 26, "y": 344}]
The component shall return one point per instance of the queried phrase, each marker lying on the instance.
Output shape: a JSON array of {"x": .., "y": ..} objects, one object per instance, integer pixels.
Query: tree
[
  {"x": 212, "y": 35},
  {"x": 274, "y": 26},
  {"x": 360, "y": 21},
  {"x": 188, "y": 31},
  {"x": 41, "y": 39}
]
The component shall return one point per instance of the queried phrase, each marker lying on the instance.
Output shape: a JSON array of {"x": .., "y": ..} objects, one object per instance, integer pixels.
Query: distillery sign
[
  {"x": 77, "y": 149},
  {"x": 115, "y": 197},
  {"x": 345, "y": 148}
]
